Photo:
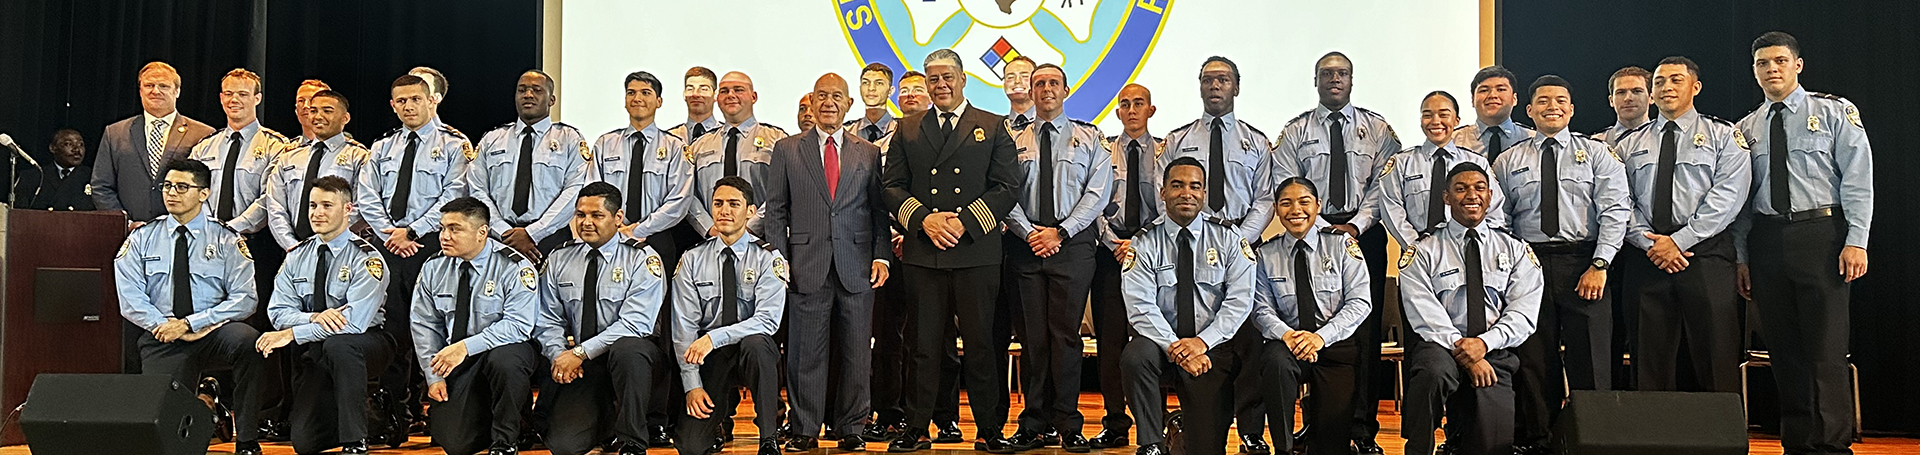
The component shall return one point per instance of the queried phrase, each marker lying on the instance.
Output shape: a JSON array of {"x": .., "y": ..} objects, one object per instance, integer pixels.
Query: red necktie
[{"x": 833, "y": 167}]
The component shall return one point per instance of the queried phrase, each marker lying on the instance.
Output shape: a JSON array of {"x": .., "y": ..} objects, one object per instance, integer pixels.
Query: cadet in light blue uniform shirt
[
  {"x": 1493, "y": 129},
  {"x": 1698, "y": 161},
  {"x": 1241, "y": 194},
  {"x": 1411, "y": 191},
  {"x": 258, "y": 148},
  {"x": 724, "y": 342},
  {"x": 657, "y": 199},
  {"x": 697, "y": 91},
  {"x": 1309, "y": 339},
  {"x": 188, "y": 281},
  {"x": 530, "y": 200},
  {"x": 751, "y": 150},
  {"x": 1471, "y": 293},
  {"x": 473, "y": 316},
  {"x": 334, "y": 154}
]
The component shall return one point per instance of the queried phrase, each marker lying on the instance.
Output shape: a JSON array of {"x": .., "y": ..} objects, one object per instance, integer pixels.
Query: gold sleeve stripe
[
  {"x": 984, "y": 214},
  {"x": 907, "y": 209}
]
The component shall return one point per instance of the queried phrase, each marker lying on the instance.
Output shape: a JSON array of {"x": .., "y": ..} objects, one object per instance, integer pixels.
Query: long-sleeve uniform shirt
[
  {"x": 502, "y": 288},
  {"x": 1405, "y": 190},
  {"x": 221, "y": 268},
  {"x": 1337, "y": 273},
  {"x": 1433, "y": 287},
  {"x": 664, "y": 173},
  {"x": 558, "y": 171},
  {"x": 761, "y": 274},
  {"x": 1829, "y": 163},
  {"x": 356, "y": 284},
  {"x": 753, "y": 155},
  {"x": 1082, "y": 177},
  {"x": 1249, "y": 172},
  {"x": 440, "y": 159},
  {"x": 1305, "y": 150},
  {"x": 1223, "y": 274},
  {"x": 286, "y": 193},
  {"x": 1592, "y": 191},
  {"x": 628, "y": 288},
  {"x": 1711, "y": 176},
  {"x": 258, "y": 147},
  {"x": 1143, "y": 181}
]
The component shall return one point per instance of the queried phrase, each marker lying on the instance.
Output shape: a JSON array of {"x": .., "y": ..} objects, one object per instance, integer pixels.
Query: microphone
[{"x": 7, "y": 141}]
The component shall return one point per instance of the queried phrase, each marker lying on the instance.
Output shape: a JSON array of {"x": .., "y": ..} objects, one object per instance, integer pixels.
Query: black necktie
[
  {"x": 636, "y": 177},
  {"x": 1476, "y": 287},
  {"x": 1663, "y": 181},
  {"x": 1183, "y": 289},
  {"x": 1437, "y": 190},
  {"x": 1132, "y": 188},
  {"x": 1047, "y": 215},
  {"x": 302, "y": 227},
  {"x": 590, "y": 299},
  {"x": 226, "y": 177},
  {"x": 873, "y": 133},
  {"x": 1020, "y": 120},
  {"x": 1496, "y": 143},
  {"x": 1303, "y": 301},
  {"x": 699, "y": 129},
  {"x": 946, "y": 124},
  {"x": 1549, "y": 189},
  {"x": 463, "y": 302},
  {"x": 318, "y": 301},
  {"x": 730, "y": 161},
  {"x": 1336, "y": 159},
  {"x": 1777, "y": 161},
  {"x": 1216, "y": 169},
  {"x": 729, "y": 289},
  {"x": 182, "y": 275},
  {"x": 523, "y": 173},
  {"x": 403, "y": 188}
]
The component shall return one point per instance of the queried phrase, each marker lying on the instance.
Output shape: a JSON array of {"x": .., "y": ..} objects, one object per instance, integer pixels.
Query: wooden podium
[{"x": 58, "y": 309}]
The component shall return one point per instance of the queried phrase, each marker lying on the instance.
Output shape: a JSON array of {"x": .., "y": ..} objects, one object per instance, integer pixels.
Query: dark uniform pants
[
  {"x": 487, "y": 398},
  {"x": 1111, "y": 333},
  {"x": 754, "y": 362},
  {"x": 1584, "y": 327},
  {"x": 228, "y": 347},
  {"x": 1366, "y": 405},
  {"x": 276, "y": 375},
  {"x": 1205, "y": 400},
  {"x": 830, "y": 331},
  {"x": 669, "y": 400},
  {"x": 942, "y": 296},
  {"x": 1479, "y": 419},
  {"x": 330, "y": 406},
  {"x": 1053, "y": 295},
  {"x": 891, "y": 312},
  {"x": 1329, "y": 407},
  {"x": 403, "y": 382},
  {"x": 1697, "y": 311},
  {"x": 610, "y": 398},
  {"x": 1804, "y": 313}
]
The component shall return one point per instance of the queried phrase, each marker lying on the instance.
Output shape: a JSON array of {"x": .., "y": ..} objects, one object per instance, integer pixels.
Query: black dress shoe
[
  {"x": 769, "y": 448},
  {"x": 1050, "y": 438},
  {"x": 1531, "y": 449},
  {"x": 801, "y": 444},
  {"x": 949, "y": 433},
  {"x": 1026, "y": 440},
  {"x": 1152, "y": 449},
  {"x": 1253, "y": 445},
  {"x": 882, "y": 433},
  {"x": 911, "y": 441},
  {"x": 1109, "y": 438},
  {"x": 1075, "y": 443},
  {"x": 853, "y": 444},
  {"x": 246, "y": 448},
  {"x": 996, "y": 444},
  {"x": 657, "y": 436},
  {"x": 354, "y": 448},
  {"x": 507, "y": 450},
  {"x": 1366, "y": 446},
  {"x": 395, "y": 434},
  {"x": 632, "y": 449},
  {"x": 717, "y": 446}
]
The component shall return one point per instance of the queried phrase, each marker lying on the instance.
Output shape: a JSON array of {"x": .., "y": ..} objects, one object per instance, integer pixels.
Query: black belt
[
  {"x": 1804, "y": 215},
  {"x": 1339, "y": 218},
  {"x": 1568, "y": 247}
]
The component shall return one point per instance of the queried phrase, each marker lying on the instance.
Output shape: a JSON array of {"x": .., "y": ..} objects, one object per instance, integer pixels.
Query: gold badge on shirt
[
  {"x": 749, "y": 275},
  {"x": 340, "y": 159},
  {"x": 1813, "y": 123},
  {"x": 345, "y": 273},
  {"x": 619, "y": 274},
  {"x": 662, "y": 154},
  {"x": 1580, "y": 156},
  {"x": 1699, "y": 139},
  {"x": 488, "y": 289},
  {"x": 435, "y": 153},
  {"x": 759, "y": 142}
]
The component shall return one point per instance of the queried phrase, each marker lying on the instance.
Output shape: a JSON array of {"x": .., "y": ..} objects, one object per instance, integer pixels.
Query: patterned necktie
[
  {"x": 226, "y": 177},
  {"x": 1550, "y": 189},
  {"x": 156, "y": 143},
  {"x": 403, "y": 188}
]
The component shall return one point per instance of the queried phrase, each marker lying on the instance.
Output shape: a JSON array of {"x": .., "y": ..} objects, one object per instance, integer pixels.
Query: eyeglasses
[{"x": 177, "y": 188}]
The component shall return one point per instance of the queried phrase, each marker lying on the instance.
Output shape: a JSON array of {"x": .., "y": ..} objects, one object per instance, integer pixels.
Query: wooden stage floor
[{"x": 1089, "y": 405}]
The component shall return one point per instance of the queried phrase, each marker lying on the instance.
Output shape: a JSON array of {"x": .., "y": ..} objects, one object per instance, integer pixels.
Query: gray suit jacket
[
  {"x": 121, "y": 180},
  {"x": 844, "y": 233}
]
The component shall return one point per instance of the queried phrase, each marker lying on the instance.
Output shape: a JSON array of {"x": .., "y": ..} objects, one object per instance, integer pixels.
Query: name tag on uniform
[
  {"x": 564, "y": 284},
  {"x": 703, "y": 283},
  {"x": 449, "y": 296},
  {"x": 497, "y": 152},
  {"x": 1446, "y": 273},
  {"x": 287, "y": 167},
  {"x": 1189, "y": 149},
  {"x": 149, "y": 258},
  {"x": 1163, "y": 268},
  {"x": 384, "y": 159},
  {"x": 611, "y": 158},
  {"x": 1520, "y": 171},
  {"x": 1309, "y": 142},
  {"x": 300, "y": 279},
  {"x": 1634, "y": 154},
  {"x": 1412, "y": 177}
]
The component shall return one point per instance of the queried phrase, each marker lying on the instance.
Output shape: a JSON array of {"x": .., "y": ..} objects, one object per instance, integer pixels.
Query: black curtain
[
  {"x": 360, "y": 46},
  {"x": 1859, "y": 49},
  {"x": 74, "y": 64}
]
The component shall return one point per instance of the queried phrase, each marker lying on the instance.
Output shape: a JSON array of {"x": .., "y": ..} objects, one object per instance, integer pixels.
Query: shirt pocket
[
  {"x": 1074, "y": 172},
  {"x": 550, "y": 168},
  {"x": 1816, "y": 146}
]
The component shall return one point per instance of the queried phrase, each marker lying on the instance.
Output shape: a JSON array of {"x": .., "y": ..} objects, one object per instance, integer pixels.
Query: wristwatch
[
  {"x": 1600, "y": 264},
  {"x": 580, "y": 351}
]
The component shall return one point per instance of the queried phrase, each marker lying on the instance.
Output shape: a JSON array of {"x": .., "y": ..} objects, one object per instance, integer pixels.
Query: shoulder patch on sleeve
[
  {"x": 240, "y": 243},
  {"x": 1353, "y": 248},
  {"x": 125, "y": 246},
  {"x": 528, "y": 277},
  {"x": 780, "y": 269},
  {"x": 375, "y": 267},
  {"x": 1388, "y": 168},
  {"x": 1406, "y": 256},
  {"x": 1246, "y": 249}
]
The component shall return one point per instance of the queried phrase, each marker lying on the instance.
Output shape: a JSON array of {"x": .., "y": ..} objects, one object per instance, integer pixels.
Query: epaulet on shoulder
[
  {"x": 365, "y": 246},
  {"x": 508, "y": 127},
  {"x": 634, "y": 243},
  {"x": 1113, "y": 138},
  {"x": 1218, "y": 220},
  {"x": 1641, "y": 126},
  {"x": 569, "y": 243},
  {"x": 274, "y": 134},
  {"x": 450, "y": 130},
  {"x": 564, "y": 125},
  {"x": 355, "y": 143},
  {"x": 1083, "y": 123},
  {"x": 764, "y": 245},
  {"x": 391, "y": 133},
  {"x": 1715, "y": 120},
  {"x": 1369, "y": 113},
  {"x": 1462, "y": 127},
  {"x": 670, "y": 133},
  {"x": 1181, "y": 128},
  {"x": 229, "y": 228},
  {"x": 1250, "y": 127},
  {"x": 1512, "y": 145},
  {"x": 511, "y": 254},
  {"x": 773, "y": 127},
  {"x": 1301, "y": 117},
  {"x": 1826, "y": 96},
  {"x": 850, "y": 122}
]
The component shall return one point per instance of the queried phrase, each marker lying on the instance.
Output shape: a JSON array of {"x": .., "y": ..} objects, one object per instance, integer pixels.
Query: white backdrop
[{"x": 1401, "y": 50}]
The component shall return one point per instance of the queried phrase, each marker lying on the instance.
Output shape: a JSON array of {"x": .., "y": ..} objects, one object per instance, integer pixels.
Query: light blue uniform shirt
[
  {"x": 222, "y": 271},
  {"x": 1223, "y": 274},
  {"x": 358, "y": 285},
  {"x": 257, "y": 154},
  {"x": 665, "y": 175},
  {"x": 1303, "y": 152},
  {"x": 697, "y": 290},
  {"x": 1082, "y": 176},
  {"x": 1711, "y": 177},
  {"x": 1828, "y": 157},
  {"x": 1593, "y": 192},
  {"x": 289, "y": 178},
  {"x": 439, "y": 175},
  {"x": 1250, "y": 174},
  {"x": 504, "y": 303},
  {"x": 858, "y": 126},
  {"x": 754, "y": 151},
  {"x": 1402, "y": 193},
  {"x": 1146, "y": 181},
  {"x": 685, "y": 129},
  {"x": 1478, "y": 136},
  {"x": 1338, "y": 275},
  {"x": 1433, "y": 287},
  {"x": 630, "y": 286},
  {"x": 559, "y": 170}
]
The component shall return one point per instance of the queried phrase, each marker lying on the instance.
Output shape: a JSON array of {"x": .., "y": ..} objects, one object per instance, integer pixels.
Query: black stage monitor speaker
[
  {"x": 114, "y": 413},
  {"x": 1650, "y": 423}
]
